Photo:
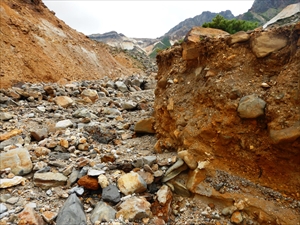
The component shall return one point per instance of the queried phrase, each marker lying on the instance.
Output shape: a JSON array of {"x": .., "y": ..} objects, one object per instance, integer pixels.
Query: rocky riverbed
[{"x": 83, "y": 153}]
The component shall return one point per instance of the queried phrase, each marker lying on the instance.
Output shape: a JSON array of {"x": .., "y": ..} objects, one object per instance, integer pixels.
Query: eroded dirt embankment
[{"x": 232, "y": 104}]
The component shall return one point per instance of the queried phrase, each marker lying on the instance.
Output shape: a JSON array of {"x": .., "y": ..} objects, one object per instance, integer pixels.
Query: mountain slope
[
  {"x": 261, "y": 6},
  {"x": 183, "y": 27},
  {"x": 37, "y": 46},
  {"x": 264, "y": 10}
]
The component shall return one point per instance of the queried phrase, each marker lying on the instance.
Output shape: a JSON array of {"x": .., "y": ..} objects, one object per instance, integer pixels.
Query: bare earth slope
[
  {"x": 35, "y": 46},
  {"x": 230, "y": 104}
]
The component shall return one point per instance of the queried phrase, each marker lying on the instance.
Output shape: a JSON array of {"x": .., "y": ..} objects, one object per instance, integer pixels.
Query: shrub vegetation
[{"x": 230, "y": 26}]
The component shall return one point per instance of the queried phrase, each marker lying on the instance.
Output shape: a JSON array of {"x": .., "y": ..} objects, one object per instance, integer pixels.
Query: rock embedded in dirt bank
[
  {"x": 285, "y": 135},
  {"x": 240, "y": 36},
  {"x": 251, "y": 107},
  {"x": 266, "y": 42}
]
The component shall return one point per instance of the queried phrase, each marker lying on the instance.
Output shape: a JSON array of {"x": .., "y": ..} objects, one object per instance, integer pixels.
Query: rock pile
[
  {"x": 83, "y": 153},
  {"x": 77, "y": 139}
]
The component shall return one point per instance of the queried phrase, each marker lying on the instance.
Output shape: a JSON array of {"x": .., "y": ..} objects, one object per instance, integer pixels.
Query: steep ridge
[
  {"x": 183, "y": 27},
  {"x": 36, "y": 46},
  {"x": 261, "y": 6},
  {"x": 262, "y": 11},
  {"x": 230, "y": 107}
]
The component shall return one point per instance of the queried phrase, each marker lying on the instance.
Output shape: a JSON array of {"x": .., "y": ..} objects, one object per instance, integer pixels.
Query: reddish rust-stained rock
[
  {"x": 89, "y": 182},
  {"x": 162, "y": 206}
]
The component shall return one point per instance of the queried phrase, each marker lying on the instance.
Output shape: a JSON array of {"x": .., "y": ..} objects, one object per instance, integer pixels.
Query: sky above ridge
[{"x": 138, "y": 19}]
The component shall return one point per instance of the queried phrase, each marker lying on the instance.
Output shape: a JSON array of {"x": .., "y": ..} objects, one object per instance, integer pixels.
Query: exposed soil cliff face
[
  {"x": 59, "y": 51},
  {"x": 199, "y": 109}
]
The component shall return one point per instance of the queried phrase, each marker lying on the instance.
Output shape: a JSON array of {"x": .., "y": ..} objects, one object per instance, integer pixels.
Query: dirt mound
[
  {"x": 38, "y": 47},
  {"x": 231, "y": 104}
]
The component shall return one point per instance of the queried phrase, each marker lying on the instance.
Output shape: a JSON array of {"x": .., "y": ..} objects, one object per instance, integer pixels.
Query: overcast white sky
[{"x": 139, "y": 19}]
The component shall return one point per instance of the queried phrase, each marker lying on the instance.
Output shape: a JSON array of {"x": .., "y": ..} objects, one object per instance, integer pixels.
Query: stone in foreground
[{"x": 72, "y": 212}]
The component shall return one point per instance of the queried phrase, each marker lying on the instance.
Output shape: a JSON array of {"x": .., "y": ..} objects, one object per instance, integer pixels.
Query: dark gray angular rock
[
  {"x": 73, "y": 177},
  {"x": 150, "y": 160},
  {"x": 71, "y": 212},
  {"x": 111, "y": 194}
]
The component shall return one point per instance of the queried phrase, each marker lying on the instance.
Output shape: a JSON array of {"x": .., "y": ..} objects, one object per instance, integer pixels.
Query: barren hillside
[{"x": 36, "y": 46}]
